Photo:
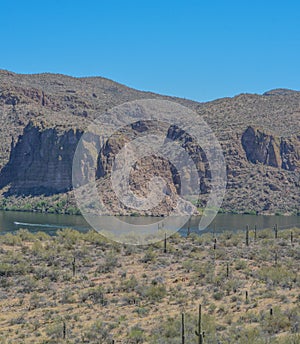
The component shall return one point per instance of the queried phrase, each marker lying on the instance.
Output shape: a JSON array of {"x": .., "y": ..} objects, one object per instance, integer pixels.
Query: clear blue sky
[{"x": 199, "y": 50}]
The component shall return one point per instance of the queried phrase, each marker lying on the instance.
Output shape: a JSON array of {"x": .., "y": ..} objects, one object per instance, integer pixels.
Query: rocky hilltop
[{"x": 43, "y": 117}]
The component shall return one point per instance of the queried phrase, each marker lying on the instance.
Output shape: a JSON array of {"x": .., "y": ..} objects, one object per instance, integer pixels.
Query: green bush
[
  {"x": 156, "y": 292},
  {"x": 218, "y": 295},
  {"x": 109, "y": 263},
  {"x": 96, "y": 295},
  {"x": 136, "y": 335}
]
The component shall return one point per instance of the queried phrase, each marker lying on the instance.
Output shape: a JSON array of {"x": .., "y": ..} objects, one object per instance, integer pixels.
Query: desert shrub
[
  {"x": 240, "y": 264},
  {"x": 27, "y": 284},
  {"x": 190, "y": 265},
  {"x": 130, "y": 249},
  {"x": 96, "y": 295},
  {"x": 40, "y": 205},
  {"x": 244, "y": 335},
  {"x": 25, "y": 235},
  {"x": 277, "y": 275},
  {"x": 275, "y": 323},
  {"x": 42, "y": 271},
  {"x": 36, "y": 300},
  {"x": 218, "y": 295},
  {"x": 232, "y": 285},
  {"x": 265, "y": 234},
  {"x": 155, "y": 292},
  {"x": 150, "y": 256},
  {"x": 67, "y": 296},
  {"x": 13, "y": 268},
  {"x": 37, "y": 249},
  {"x": 98, "y": 332},
  {"x": 168, "y": 330},
  {"x": 129, "y": 284},
  {"x": 109, "y": 263},
  {"x": 6, "y": 269},
  {"x": 203, "y": 239},
  {"x": 142, "y": 311},
  {"x": 95, "y": 238},
  {"x": 42, "y": 236},
  {"x": 20, "y": 319},
  {"x": 68, "y": 236},
  {"x": 55, "y": 330},
  {"x": 11, "y": 239},
  {"x": 73, "y": 211},
  {"x": 136, "y": 335},
  {"x": 6, "y": 283}
]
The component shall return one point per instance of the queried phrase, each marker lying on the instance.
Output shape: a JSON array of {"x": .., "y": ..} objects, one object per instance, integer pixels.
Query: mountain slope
[{"x": 43, "y": 116}]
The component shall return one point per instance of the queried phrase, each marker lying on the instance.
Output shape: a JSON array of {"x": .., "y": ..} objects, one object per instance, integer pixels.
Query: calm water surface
[{"x": 10, "y": 221}]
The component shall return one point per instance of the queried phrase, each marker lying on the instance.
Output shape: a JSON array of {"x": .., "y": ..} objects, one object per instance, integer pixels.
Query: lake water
[{"x": 10, "y": 221}]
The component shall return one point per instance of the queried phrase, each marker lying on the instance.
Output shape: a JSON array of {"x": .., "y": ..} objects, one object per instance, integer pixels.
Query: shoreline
[{"x": 77, "y": 213}]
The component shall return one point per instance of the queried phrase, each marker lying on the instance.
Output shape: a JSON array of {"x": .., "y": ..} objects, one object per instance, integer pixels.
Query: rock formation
[
  {"x": 40, "y": 162},
  {"x": 280, "y": 152}
]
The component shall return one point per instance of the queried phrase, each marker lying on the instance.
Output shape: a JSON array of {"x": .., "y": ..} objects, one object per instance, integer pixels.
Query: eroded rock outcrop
[
  {"x": 153, "y": 166},
  {"x": 40, "y": 162},
  {"x": 261, "y": 147}
]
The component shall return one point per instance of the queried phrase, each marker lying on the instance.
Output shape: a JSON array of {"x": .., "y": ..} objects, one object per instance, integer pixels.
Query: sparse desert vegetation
[{"x": 80, "y": 288}]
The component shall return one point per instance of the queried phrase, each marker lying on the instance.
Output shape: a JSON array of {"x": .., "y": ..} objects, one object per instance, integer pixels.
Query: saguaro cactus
[
  {"x": 199, "y": 333},
  {"x": 276, "y": 231},
  {"x": 189, "y": 228},
  {"x": 247, "y": 235},
  {"x": 64, "y": 330},
  {"x": 74, "y": 267},
  {"x": 182, "y": 329},
  {"x": 276, "y": 258}
]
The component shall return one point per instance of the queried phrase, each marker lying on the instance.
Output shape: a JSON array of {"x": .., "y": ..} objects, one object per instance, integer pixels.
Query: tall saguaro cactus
[
  {"x": 276, "y": 231},
  {"x": 247, "y": 235},
  {"x": 199, "y": 333},
  {"x": 189, "y": 228},
  {"x": 64, "y": 330},
  {"x": 182, "y": 329},
  {"x": 74, "y": 267},
  {"x": 165, "y": 243}
]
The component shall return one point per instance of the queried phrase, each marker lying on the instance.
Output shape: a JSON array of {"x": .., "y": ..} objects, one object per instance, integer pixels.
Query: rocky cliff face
[
  {"x": 271, "y": 150},
  {"x": 151, "y": 166},
  {"x": 40, "y": 162}
]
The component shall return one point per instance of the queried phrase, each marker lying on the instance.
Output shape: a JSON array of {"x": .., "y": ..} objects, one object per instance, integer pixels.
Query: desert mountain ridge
[{"x": 42, "y": 117}]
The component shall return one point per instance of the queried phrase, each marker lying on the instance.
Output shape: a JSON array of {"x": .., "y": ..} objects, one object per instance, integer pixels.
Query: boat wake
[{"x": 37, "y": 225}]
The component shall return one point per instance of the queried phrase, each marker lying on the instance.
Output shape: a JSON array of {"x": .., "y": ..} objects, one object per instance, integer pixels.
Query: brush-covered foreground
[{"x": 113, "y": 293}]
